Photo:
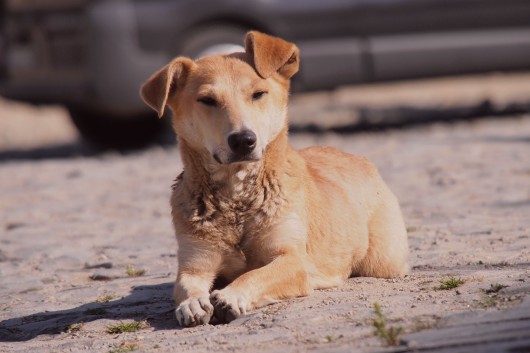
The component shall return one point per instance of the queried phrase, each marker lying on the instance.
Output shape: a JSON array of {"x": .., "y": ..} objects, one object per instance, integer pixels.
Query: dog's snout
[{"x": 243, "y": 142}]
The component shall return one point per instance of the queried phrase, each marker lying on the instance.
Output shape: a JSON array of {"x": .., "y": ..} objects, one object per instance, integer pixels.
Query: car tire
[{"x": 111, "y": 131}]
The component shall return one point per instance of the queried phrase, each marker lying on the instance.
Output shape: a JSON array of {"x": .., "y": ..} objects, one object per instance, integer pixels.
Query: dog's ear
[
  {"x": 272, "y": 55},
  {"x": 156, "y": 90}
]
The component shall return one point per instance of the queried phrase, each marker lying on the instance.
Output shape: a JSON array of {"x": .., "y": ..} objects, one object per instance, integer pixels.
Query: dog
[{"x": 271, "y": 221}]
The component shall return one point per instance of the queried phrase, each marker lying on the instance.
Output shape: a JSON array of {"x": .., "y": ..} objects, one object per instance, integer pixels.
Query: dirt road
[{"x": 76, "y": 234}]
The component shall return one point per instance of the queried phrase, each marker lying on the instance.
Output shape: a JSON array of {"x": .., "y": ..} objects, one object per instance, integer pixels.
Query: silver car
[{"x": 93, "y": 55}]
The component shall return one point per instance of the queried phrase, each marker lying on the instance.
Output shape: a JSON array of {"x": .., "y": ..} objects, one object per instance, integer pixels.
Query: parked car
[{"x": 92, "y": 56}]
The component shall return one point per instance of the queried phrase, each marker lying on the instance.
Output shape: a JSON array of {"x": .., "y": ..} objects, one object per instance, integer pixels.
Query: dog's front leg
[
  {"x": 284, "y": 277},
  {"x": 198, "y": 267}
]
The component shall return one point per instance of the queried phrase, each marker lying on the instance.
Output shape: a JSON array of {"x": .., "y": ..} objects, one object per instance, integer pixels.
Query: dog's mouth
[
  {"x": 217, "y": 159},
  {"x": 242, "y": 159},
  {"x": 236, "y": 159}
]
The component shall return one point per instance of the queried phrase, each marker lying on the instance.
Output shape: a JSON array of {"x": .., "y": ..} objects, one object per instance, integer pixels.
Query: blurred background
[{"x": 365, "y": 63}]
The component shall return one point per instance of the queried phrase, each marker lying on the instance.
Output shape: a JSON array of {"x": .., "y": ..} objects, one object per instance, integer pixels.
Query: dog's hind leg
[{"x": 387, "y": 243}]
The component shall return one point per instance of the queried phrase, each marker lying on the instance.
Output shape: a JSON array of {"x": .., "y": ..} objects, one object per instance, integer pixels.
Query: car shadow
[
  {"x": 151, "y": 303},
  {"x": 67, "y": 150},
  {"x": 82, "y": 148}
]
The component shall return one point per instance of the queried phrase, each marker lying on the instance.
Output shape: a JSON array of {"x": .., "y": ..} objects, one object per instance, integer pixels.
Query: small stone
[
  {"x": 97, "y": 277},
  {"x": 412, "y": 344}
]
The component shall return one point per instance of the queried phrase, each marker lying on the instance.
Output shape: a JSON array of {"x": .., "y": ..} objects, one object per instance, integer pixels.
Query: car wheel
[
  {"x": 104, "y": 130},
  {"x": 212, "y": 39}
]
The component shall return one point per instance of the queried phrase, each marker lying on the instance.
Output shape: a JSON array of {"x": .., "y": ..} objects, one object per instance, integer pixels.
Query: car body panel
[{"x": 112, "y": 46}]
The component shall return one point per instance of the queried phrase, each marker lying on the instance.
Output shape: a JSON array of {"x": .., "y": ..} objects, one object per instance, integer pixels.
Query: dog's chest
[{"x": 229, "y": 215}]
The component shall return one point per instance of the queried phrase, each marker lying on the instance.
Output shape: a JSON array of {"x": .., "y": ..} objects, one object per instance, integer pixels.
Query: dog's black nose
[{"x": 243, "y": 142}]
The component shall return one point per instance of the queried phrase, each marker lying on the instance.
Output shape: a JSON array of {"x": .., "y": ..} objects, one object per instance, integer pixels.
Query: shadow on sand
[{"x": 152, "y": 303}]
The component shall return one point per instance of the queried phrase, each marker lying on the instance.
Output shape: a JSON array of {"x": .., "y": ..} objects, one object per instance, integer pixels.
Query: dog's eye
[
  {"x": 258, "y": 95},
  {"x": 209, "y": 101}
]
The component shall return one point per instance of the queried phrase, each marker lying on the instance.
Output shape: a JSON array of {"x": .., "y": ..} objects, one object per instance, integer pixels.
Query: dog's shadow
[{"x": 152, "y": 303}]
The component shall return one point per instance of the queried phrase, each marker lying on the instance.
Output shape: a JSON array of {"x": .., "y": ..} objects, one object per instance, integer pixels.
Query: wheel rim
[{"x": 221, "y": 48}]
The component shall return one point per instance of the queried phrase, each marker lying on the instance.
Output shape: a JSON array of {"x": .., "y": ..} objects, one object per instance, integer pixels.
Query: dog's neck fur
[
  {"x": 234, "y": 179},
  {"x": 223, "y": 203}
]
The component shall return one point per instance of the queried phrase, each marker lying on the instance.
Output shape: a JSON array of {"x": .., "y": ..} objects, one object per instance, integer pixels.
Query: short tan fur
[{"x": 274, "y": 222}]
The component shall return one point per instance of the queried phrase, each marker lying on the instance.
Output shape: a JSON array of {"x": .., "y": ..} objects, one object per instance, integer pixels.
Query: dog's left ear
[
  {"x": 272, "y": 54},
  {"x": 156, "y": 90}
]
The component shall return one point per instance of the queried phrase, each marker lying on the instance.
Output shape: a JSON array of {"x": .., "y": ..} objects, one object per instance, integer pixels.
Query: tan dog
[{"x": 274, "y": 222}]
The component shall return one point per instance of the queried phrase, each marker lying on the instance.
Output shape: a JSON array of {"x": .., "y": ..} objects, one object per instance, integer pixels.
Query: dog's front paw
[
  {"x": 194, "y": 311},
  {"x": 228, "y": 305}
]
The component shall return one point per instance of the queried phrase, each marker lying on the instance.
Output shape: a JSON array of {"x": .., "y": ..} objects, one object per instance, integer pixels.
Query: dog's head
[{"x": 228, "y": 106}]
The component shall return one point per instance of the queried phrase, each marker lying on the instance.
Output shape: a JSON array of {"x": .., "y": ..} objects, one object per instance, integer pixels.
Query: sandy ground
[{"x": 69, "y": 227}]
